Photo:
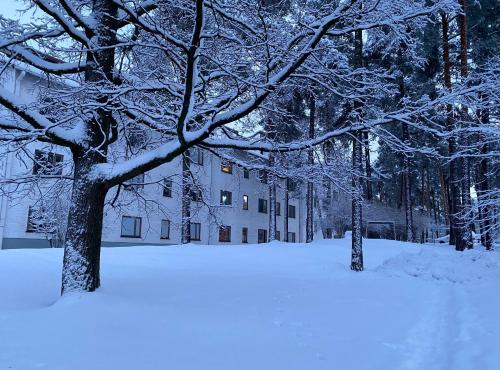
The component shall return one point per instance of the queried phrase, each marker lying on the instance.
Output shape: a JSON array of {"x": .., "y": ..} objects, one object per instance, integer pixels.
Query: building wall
[{"x": 148, "y": 202}]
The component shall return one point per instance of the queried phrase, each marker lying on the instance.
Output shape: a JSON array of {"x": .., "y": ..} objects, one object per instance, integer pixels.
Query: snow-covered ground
[{"x": 255, "y": 307}]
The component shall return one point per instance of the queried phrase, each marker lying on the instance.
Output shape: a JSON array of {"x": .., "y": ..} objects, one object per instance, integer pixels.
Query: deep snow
[{"x": 255, "y": 307}]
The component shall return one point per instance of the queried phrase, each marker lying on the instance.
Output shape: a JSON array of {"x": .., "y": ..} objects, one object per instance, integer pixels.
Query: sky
[{"x": 8, "y": 9}]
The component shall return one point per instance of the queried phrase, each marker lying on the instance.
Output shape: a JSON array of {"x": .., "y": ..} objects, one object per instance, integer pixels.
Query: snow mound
[{"x": 455, "y": 267}]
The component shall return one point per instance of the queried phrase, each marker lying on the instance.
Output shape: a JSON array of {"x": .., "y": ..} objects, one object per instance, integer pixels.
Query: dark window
[
  {"x": 131, "y": 227},
  {"x": 135, "y": 183},
  {"x": 291, "y": 185},
  {"x": 226, "y": 198},
  {"x": 165, "y": 229},
  {"x": 262, "y": 205},
  {"x": 244, "y": 235},
  {"x": 278, "y": 209},
  {"x": 262, "y": 236},
  {"x": 224, "y": 233},
  {"x": 195, "y": 228},
  {"x": 246, "y": 173},
  {"x": 291, "y": 211},
  {"x": 196, "y": 156},
  {"x": 278, "y": 235},
  {"x": 226, "y": 167},
  {"x": 329, "y": 233},
  {"x": 167, "y": 188},
  {"x": 291, "y": 237},
  {"x": 263, "y": 176},
  {"x": 245, "y": 202},
  {"x": 37, "y": 221},
  {"x": 196, "y": 195},
  {"x": 47, "y": 163}
]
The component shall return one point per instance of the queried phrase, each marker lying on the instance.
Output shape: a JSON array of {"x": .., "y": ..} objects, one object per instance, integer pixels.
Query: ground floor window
[
  {"x": 278, "y": 235},
  {"x": 262, "y": 236},
  {"x": 224, "y": 233},
  {"x": 165, "y": 229},
  {"x": 195, "y": 228},
  {"x": 244, "y": 235},
  {"x": 291, "y": 237},
  {"x": 131, "y": 227}
]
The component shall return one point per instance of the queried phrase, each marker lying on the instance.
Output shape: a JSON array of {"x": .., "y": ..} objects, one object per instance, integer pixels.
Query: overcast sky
[{"x": 8, "y": 9}]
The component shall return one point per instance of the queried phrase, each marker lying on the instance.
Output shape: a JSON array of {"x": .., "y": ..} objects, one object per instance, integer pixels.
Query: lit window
[
  {"x": 131, "y": 227},
  {"x": 262, "y": 205},
  {"x": 245, "y": 202},
  {"x": 165, "y": 229},
  {"x": 244, "y": 235},
  {"x": 291, "y": 211},
  {"x": 226, "y": 167},
  {"x": 47, "y": 163},
  {"x": 167, "y": 188},
  {"x": 262, "y": 236},
  {"x": 224, "y": 233},
  {"x": 226, "y": 198},
  {"x": 195, "y": 229}
]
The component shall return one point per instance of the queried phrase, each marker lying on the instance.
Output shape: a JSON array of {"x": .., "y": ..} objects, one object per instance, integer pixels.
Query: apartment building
[{"x": 229, "y": 203}]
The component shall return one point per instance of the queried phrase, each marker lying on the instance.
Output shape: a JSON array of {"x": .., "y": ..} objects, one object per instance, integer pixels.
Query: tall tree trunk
[
  {"x": 357, "y": 170},
  {"x": 486, "y": 214},
  {"x": 368, "y": 166},
  {"x": 454, "y": 204},
  {"x": 285, "y": 211},
  {"x": 310, "y": 186},
  {"x": 186, "y": 199},
  {"x": 407, "y": 188},
  {"x": 82, "y": 247},
  {"x": 466, "y": 241}
]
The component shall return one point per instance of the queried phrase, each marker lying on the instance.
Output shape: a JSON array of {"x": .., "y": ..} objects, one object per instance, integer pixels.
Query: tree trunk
[
  {"x": 83, "y": 235},
  {"x": 368, "y": 166},
  {"x": 272, "y": 202},
  {"x": 454, "y": 204},
  {"x": 186, "y": 200},
  {"x": 310, "y": 186},
  {"x": 285, "y": 211},
  {"x": 407, "y": 189},
  {"x": 467, "y": 215},
  {"x": 485, "y": 217}
]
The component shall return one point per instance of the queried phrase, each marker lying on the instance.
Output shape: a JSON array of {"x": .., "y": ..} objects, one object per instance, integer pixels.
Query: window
[
  {"x": 196, "y": 195},
  {"x": 245, "y": 202},
  {"x": 278, "y": 235},
  {"x": 329, "y": 233},
  {"x": 131, "y": 227},
  {"x": 47, "y": 163},
  {"x": 291, "y": 211},
  {"x": 278, "y": 209},
  {"x": 224, "y": 233},
  {"x": 291, "y": 237},
  {"x": 291, "y": 185},
  {"x": 246, "y": 173},
  {"x": 196, "y": 156},
  {"x": 226, "y": 198},
  {"x": 165, "y": 229},
  {"x": 263, "y": 176},
  {"x": 262, "y": 205},
  {"x": 226, "y": 167},
  {"x": 37, "y": 221},
  {"x": 262, "y": 236},
  {"x": 135, "y": 183},
  {"x": 195, "y": 229},
  {"x": 244, "y": 235},
  {"x": 167, "y": 188}
]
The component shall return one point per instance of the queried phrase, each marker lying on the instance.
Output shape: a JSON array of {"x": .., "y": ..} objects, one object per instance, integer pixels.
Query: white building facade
[{"x": 232, "y": 206}]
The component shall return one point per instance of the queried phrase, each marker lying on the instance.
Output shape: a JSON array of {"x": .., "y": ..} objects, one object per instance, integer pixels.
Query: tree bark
[
  {"x": 368, "y": 166},
  {"x": 186, "y": 200},
  {"x": 310, "y": 185},
  {"x": 454, "y": 204},
  {"x": 407, "y": 188},
  {"x": 285, "y": 211}
]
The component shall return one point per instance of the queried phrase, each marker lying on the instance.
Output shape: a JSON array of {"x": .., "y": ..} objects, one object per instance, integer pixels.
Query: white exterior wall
[{"x": 14, "y": 211}]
